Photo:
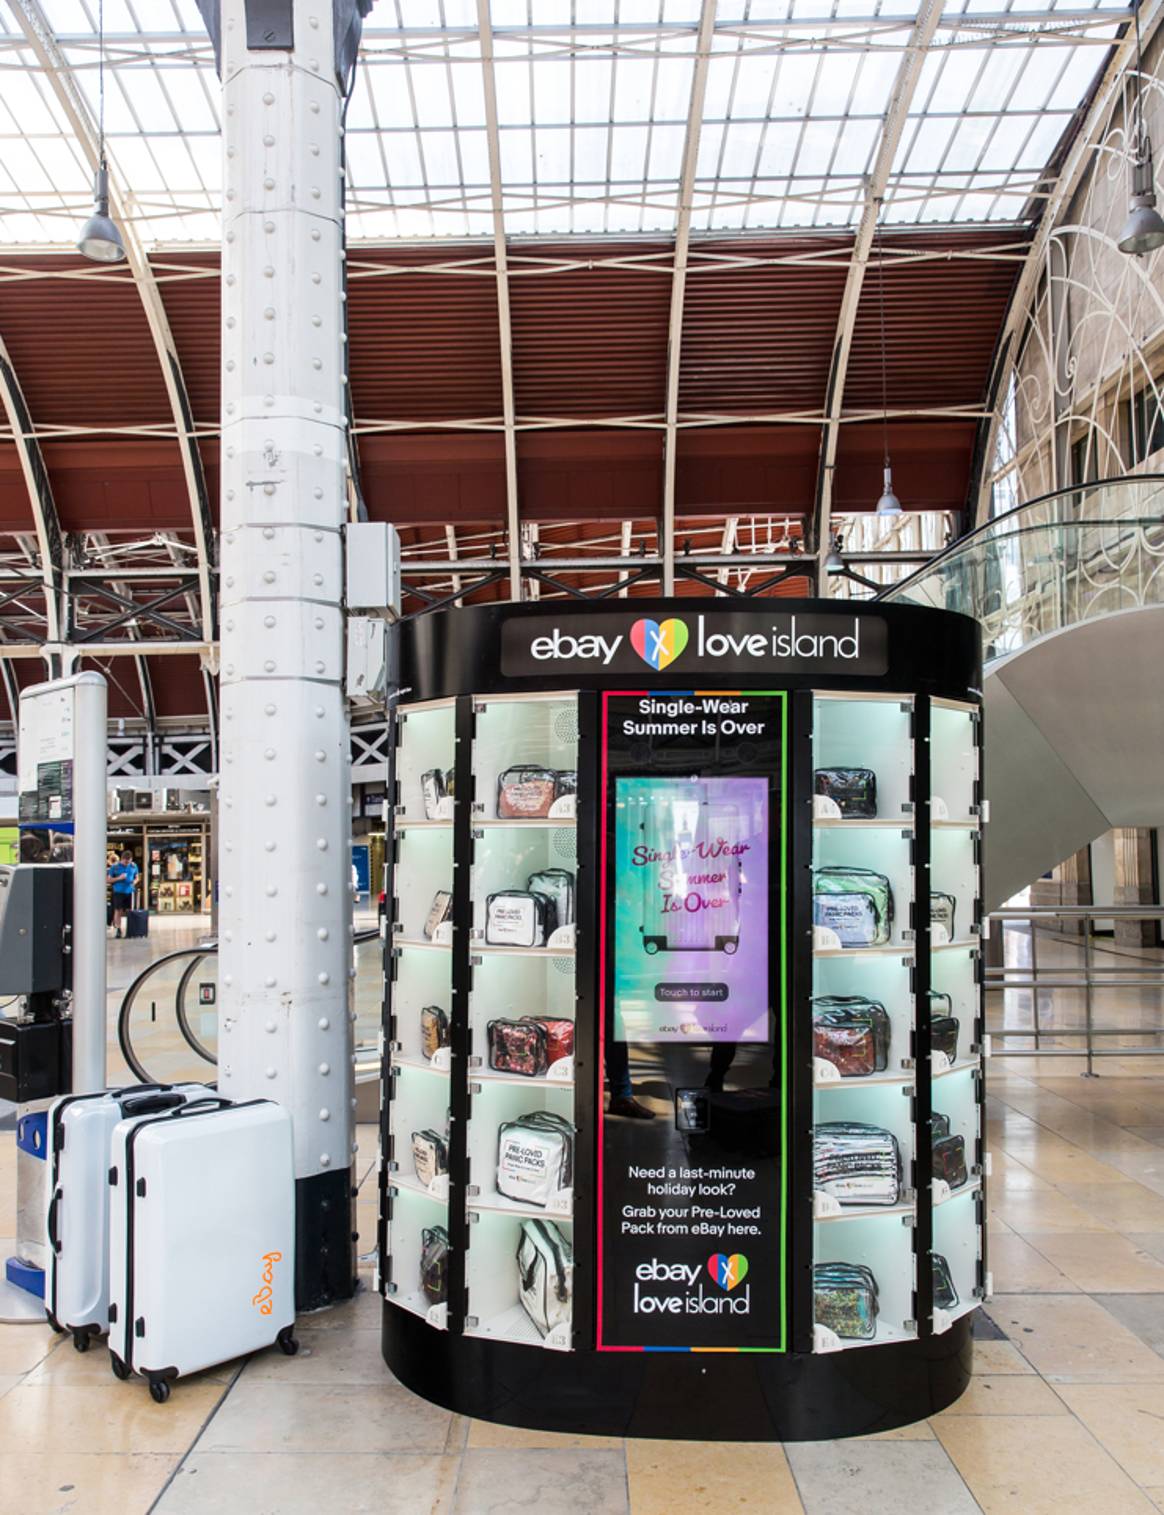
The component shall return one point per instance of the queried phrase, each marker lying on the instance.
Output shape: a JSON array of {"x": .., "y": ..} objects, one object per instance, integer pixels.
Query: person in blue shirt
[{"x": 123, "y": 879}]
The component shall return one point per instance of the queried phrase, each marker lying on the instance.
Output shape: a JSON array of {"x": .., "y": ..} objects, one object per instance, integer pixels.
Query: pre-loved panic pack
[
  {"x": 854, "y": 790},
  {"x": 559, "y": 1036},
  {"x": 845, "y": 1299},
  {"x": 557, "y": 884},
  {"x": 945, "y": 1294},
  {"x": 942, "y": 911},
  {"x": 851, "y": 1032},
  {"x": 526, "y": 792},
  {"x": 545, "y": 1274},
  {"x": 856, "y": 1164},
  {"x": 518, "y": 1046},
  {"x": 430, "y": 1155},
  {"x": 434, "y": 1264},
  {"x": 949, "y": 1152},
  {"x": 518, "y": 918},
  {"x": 434, "y": 1029},
  {"x": 438, "y": 912},
  {"x": 943, "y": 1025},
  {"x": 433, "y": 790},
  {"x": 535, "y": 1157},
  {"x": 856, "y": 903}
]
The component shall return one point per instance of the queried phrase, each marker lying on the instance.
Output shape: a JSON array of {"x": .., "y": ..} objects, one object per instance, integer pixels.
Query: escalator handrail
[{"x": 197, "y": 954}]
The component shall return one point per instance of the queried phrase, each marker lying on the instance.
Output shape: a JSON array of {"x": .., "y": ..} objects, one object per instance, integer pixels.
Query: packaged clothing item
[
  {"x": 433, "y": 790},
  {"x": 430, "y": 1155},
  {"x": 526, "y": 792},
  {"x": 518, "y": 918},
  {"x": 945, "y": 1294},
  {"x": 535, "y": 1157},
  {"x": 944, "y": 1036},
  {"x": 557, "y": 884},
  {"x": 434, "y": 1029},
  {"x": 559, "y": 1037},
  {"x": 949, "y": 1160},
  {"x": 520, "y": 1046},
  {"x": 845, "y": 1299},
  {"x": 565, "y": 782},
  {"x": 942, "y": 908},
  {"x": 854, "y": 790},
  {"x": 856, "y": 1164},
  {"x": 939, "y": 1125},
  {"x": 545, "y": 1274},
  {"x": 856, "y": 903},
  {"x": 201, "y": 1238},
  {"x": 450, "y": 785},
  {"x": 434, "y": 1264},
  {"x": 851, "y": 1032},
  {"x": 439, "y": 911}
]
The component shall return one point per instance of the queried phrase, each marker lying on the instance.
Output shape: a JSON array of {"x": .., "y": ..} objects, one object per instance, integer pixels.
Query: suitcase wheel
[
  {"x": 120, "y": 1369},
  {"x": 287, "y": 1342},
  {"x": 159, "y": 1390},
  {"x": 81, "y": 1340}
]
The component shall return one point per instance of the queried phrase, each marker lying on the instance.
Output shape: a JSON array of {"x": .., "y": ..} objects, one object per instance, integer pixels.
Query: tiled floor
[{"x": 1065, "y": 1414}]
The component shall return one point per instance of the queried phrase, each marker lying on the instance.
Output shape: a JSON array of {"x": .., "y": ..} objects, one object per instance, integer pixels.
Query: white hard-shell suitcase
[
  {"x": 77, "y": 1219},
  {"x": 202, "y": 1239}
]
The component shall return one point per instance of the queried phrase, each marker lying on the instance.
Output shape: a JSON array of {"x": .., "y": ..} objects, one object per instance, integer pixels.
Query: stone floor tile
[
  {"x": 1006, "y": 1394},
  {"x": 567, "y": 1482},
  {"x": 1153, "y": 1134},
  {"x": 1128, "y": 1421},
  {"x": 265, "y": 1416},
  {"x": 1037, "y": 1465},
  {"x": 1020, "y": 1268},
  {"x": 920, "y": 1430},
  {"x": 674, "y": 1477},
  {"x": 1071, "y": 1337},
  {"x": 1042, "y": 1210},
  {"x": 362, "y": 1312},
  {"x": 361, "y": 1483},
  {"x": 1141, "y": 1313},
  {"x": 342, "y": 1355},
  {"x": 997, "y": 1357},
  {"x": 1148, "y": 1241},
  {"x": 486, "y": 1433},
  {"x": 80, "y": 1483},
  {"x": 876, "y": 1478},
  {"x": 118, "y": 1417},
  {"x": 22, "y": 1347},
  {"x": 1123, "y": 1206},
  {"x": 1099, "y": 1263}
]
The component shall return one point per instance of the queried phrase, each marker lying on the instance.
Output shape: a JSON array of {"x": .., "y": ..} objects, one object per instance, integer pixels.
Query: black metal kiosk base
[{"x": 681, "y": 1396}]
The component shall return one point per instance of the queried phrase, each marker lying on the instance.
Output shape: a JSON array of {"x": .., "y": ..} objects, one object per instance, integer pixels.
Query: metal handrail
[
  {"x": 1092, "y": 977},
  {"x": 208, "y": 948}
]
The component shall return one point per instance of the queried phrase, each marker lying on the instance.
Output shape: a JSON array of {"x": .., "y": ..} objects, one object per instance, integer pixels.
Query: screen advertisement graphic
[
  {"x": 693, "y": 1203},
  {"x": 691, "y": 912}
]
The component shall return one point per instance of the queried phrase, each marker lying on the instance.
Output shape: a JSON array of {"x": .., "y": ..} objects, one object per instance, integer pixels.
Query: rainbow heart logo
[
  {"x": 659, "y": 644},
  {"x": 728, "y": 1271}
]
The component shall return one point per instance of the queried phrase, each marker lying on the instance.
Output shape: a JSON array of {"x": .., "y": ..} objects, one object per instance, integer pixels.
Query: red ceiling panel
[
  {"x": 747, "y": 469},
  {"x": 931, "y": 464},
  {"x": 591, "y": 342},
  {"x": 439, "y": 477},
  {"x": 82, "y": 347},
  {"x": 111, "y": 485},
  {"x": 177, "y": 685},
  {"x": 15, "y": 512},
  {"x": 192, "y": 309}
]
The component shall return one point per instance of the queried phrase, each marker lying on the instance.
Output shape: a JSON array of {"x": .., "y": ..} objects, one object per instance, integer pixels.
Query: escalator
[{"x": 1069, "y": 592}]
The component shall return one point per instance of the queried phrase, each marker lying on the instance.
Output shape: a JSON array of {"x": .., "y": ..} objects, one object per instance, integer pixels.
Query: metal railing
[{"x": 1089, "y": 978}]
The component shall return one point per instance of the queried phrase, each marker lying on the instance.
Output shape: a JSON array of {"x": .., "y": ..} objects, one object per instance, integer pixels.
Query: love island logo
[
  {"x": 659, "y": 644},
  {"x": 728, "y": 1271}
]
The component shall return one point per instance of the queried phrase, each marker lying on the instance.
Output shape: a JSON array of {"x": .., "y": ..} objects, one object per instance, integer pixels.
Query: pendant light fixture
[
  {"x": 888, "y": 504},
  {"x": 1144, "y": 229},
  {"x": 834, "y": 561},
  {"x": 100, "y": 239}
]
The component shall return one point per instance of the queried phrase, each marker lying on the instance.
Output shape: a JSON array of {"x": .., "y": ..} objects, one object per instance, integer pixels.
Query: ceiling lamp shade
[
  {"x": 834, "y": 563},
  {"x": 1144, "y": 229},
  {"x": 100, "y": 239},
  {"x": 888, "y": 504}
]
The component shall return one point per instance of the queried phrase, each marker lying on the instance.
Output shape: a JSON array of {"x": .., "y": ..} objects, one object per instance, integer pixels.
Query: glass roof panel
[{"x": 593, "y": 98}]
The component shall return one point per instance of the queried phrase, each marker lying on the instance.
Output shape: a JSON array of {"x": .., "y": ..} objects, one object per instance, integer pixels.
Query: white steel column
[{"x": 285, "y": 907}]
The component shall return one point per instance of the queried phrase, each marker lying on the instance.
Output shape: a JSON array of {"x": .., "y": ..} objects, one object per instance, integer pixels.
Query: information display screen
[{"x": 692, "y": 1172}]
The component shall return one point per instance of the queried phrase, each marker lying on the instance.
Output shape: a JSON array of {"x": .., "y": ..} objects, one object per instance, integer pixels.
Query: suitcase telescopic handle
[
  {"x": 151, "y": 1104},
  {"x": 54, "y": 1206}
]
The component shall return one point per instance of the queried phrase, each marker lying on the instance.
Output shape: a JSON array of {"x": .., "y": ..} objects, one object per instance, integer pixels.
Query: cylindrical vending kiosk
[{"x": 682, "y": 1117}]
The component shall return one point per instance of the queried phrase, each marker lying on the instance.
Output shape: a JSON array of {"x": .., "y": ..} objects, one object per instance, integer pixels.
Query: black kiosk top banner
[
  {"x": 689, "y": 643},
  {"x": 696, "y": 643}
]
